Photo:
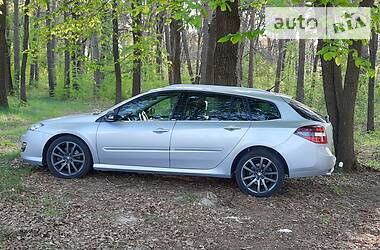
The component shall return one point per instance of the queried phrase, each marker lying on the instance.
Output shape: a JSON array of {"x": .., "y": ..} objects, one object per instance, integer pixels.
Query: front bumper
[{"x": 33, "y": 143}]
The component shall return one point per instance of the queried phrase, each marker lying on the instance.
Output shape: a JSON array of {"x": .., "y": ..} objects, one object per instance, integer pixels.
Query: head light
[{"x": 36, "y": 126}]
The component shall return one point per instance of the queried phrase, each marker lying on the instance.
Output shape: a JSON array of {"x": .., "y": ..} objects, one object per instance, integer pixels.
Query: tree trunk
[
  {"x": 314, "y": 75},
  {"x": 98, "y": 75},
  {"x": 3, "y": 56},
  {"x": 50, "y": 54},
  {"x": 251, "y": 53},
  {"x": 136, "y": 33},
  {"x": 187, "y": 55},
  {"x": 197, "y": 63},
  {"x": 24, "y": 53},
  {"x": 159, "y": 32},
  {"x": 175, "y": 39},
  {"x": 226, "y": 22},
  {"x": 300, "y": 93},
  {"x": 8, "y": 82},
  {"x": 115, "y": 51},
  {"x": 34, "y": 74},
  {"x": 169, "y": 52},
  {"x": 16, "y": 44},
  {"x": 66, "y": 71},
  {"x": 373, "y": 45},
  {"x": 239, "y": 65},
  {"x": 279, "y": 66},
  {"x": 205, "y": 46}
]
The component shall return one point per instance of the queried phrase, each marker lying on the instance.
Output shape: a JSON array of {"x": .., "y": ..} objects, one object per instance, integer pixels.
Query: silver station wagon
[{"x": 254, "y": 136}]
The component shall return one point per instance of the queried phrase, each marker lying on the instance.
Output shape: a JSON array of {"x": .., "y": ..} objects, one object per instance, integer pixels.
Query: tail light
[{"x": 313, "y": 133}]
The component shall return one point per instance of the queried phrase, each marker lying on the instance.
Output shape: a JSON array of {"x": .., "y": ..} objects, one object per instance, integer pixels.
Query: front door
[
  {"x": 210, "y": 127},
  {"x": 140, "y": 136}
]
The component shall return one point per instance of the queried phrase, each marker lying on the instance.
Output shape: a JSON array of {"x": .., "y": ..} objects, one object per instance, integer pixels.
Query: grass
[{"x": 11, "y": 182}]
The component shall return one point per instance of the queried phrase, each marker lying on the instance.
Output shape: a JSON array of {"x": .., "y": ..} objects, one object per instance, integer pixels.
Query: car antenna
[{"x": 269, "y": 90}]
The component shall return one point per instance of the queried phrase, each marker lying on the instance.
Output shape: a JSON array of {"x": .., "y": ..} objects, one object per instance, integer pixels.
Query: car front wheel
[
  {"x": 260, "y": 173},
  {"x": 68, "y": 157}
]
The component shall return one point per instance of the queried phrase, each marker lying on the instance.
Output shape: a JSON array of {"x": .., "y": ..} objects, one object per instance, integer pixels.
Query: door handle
[
  {"x": 232, "y": 128},
  {"x": 161, "y": 130}
]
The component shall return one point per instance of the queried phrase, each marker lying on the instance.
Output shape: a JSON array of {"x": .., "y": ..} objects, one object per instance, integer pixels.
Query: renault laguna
[{"x": 254, "y": 136}]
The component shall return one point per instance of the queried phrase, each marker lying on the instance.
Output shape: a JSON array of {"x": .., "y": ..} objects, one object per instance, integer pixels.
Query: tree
[
  {"x": 24, "y": 53},
  {"x": 159, "y": 33},
  {"x": 16, "y": 43},
  {"x": 279, "y": 67},
  {"x": 66, "y": 70},
  {"x": 115, "y": 51},
  {"x": 175, "y": 44},
  {"x": 98, "y": 74},
  {"x": 9, "y": 83},
  {"x": 136, "y": 34},
  {"x": 205, "y": 45},
  {"x": 340, "y": 94},
  {"x": 373, "y": 45},
  {"x": 50, "y": 53},
  {"x": 187, "y": 55},
  {"x": 34, "y": 66},
  {"x": 226, "y": 22},
  {"x": 300, "y": 94},
  {"x": 3, "y": 55}
]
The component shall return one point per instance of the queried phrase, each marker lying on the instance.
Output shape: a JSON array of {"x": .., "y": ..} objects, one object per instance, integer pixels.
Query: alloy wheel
[
  {"x": 259, "y": 175},
  {"x": 68, "y": 158}
]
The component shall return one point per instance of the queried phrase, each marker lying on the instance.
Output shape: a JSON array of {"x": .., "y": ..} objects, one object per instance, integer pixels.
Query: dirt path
[{"x": 132, "y": 211}]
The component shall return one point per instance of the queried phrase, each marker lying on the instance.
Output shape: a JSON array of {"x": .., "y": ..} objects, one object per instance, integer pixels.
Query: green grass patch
[{"x": 11, "y": 182}]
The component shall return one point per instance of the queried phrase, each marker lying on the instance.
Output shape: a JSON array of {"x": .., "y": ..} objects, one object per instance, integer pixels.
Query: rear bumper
[{"x": 306, "y": 158}]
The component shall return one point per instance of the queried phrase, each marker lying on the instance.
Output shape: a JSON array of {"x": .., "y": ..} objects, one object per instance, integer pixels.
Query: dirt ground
[{"x": 135, "y": 211}]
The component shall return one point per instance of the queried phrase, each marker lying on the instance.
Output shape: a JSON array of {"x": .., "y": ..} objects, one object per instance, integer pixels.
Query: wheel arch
[
  {"x": 53, "y": 138},
  {"x": 244, "y": 151}
]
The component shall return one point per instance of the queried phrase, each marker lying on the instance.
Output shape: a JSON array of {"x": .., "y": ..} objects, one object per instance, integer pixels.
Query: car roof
[{"x": 250, "y": 92}]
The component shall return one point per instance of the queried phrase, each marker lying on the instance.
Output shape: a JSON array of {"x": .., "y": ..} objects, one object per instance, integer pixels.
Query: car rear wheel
[
  {"x": 260, "y": 173},
  {"x": 68, "y": 157}
]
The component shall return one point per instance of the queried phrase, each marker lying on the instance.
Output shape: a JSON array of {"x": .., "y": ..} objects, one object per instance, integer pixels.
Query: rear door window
[{"x": 261, "y": 110}]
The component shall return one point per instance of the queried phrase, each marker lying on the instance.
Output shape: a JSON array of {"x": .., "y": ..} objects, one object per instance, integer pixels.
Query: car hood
[{"x": 81, "y": 118}]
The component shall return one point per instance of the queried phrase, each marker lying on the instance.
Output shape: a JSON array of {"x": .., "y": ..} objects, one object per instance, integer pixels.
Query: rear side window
[
  {"x": 305, "y": 111},
  {"x": 263, "y": 110},
  {"x": 215, "y": 107}
]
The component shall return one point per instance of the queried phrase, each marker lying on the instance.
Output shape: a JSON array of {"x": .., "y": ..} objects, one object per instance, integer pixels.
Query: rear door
[{"x": 210, "y": 126}]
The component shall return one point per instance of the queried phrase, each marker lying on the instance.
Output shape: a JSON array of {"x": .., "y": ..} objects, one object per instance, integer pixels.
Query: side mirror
[{"x": 110, "y": 116}]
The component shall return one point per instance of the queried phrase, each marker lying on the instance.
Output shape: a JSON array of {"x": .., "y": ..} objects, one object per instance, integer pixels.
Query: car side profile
[{"x": 254, "y": 136}]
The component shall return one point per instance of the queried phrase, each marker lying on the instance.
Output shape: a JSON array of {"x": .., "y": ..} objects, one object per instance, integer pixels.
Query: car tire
[
  {"x": 260, "y": 173},
  {"x": 69, "y": 157}
]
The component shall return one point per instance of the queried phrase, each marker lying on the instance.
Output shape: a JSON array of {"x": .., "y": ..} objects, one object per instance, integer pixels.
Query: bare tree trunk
[
  {"x": 205, "y": 46},
  {"x": 239, "y": 65},
  {"x": 169, "y": 52},
  {"x": 373, "y": 46},
  {"x": 187, "y": 55},
  {"x": 197, "y": 63},
  {"x": 136, "y": 33},
  {"x": 227, "y": 22},
  {"x": 115, "y": 49},
  {"x": 160, "y": 32},
  {"x": 8, "y": 83},
  {"x": 16, "y": 44},
  {"x": 50, "y": 54},
  {"x": 3, "y": 56},
  {"x": 314, "y": 75},
  {"x": 300, "y": 94},
  {"x": 175, "y": 38},
  {"x": 251, "y": 55},
  {"x": 34, "y": 74},
  {"x": 279, "y": 67},
  {"x": 24, "y": 53},
  {"x": 66, "y": 71},
  {"x": 98, "y": 75}
]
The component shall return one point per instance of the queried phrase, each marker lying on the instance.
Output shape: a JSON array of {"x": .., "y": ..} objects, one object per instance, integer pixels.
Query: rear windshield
[{"x": 305, "y": 111}]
